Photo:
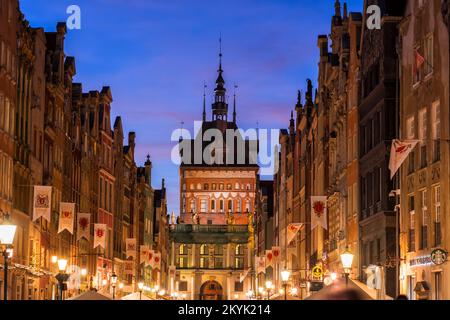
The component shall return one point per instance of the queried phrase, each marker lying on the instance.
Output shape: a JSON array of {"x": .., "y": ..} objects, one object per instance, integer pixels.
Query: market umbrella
[
  {"x": 339, "y": 291},
  {"x": 91, "y": 295}
]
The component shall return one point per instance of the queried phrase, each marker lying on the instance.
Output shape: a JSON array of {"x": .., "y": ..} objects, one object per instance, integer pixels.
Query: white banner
[
  {"x": 157, "y": 261},
  {"x": 131, "y": 248},
  {"x": 292, "y": 231},
  {"x": 143, "y": 254},
  {"x": 260, "y": 264},
  {"x": 42, "y": 202},
  {"x": 100, "y": 235},
  {"x": 319, "y": 212},
  {"x": 400, "y": 150},
  {"x": 269, "y": 258},
  {"x": 66, "y": 217},
  {"x": 276, "y": 252},
  {"x": 84, "y": 226}
]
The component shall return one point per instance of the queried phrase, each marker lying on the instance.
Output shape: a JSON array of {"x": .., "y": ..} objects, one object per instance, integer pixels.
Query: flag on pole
[
  {"x": 269, "y": 258},
  {"x": 419, "y": 60},
  {"x": 319, "y": 212},
  {"x": 157, "y": 261},
  {"x": 150, "y": 258},
  {"x": 131, "y": 248},
  {"x": 244, "y": 275},
  {"x": 84, "y": 226},
  {"x": 42, "y": 202},
  {"x": 143, "y": 254},
  {"x": 276, "y": 252},
  {"x": 292, "y": 230},
  {"x": 400, "y": 150},
  {"x": 66, "y": 217},
  {"x": 100, "y": 235},
  {"x": 128, "y": 267},
  {"x": 260, "y": 264}
]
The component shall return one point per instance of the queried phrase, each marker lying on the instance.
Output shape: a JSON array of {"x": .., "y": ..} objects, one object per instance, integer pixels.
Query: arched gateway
[{"x": 211, "y": 290}]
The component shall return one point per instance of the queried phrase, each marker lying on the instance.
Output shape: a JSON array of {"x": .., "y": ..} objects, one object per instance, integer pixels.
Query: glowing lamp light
[
  {"x": 294, "y": 291},
  {"x": 10, "y": 252},
  {"x": 7, "y": 233},
  {"x": 114, "y": 279},
  {"x": 236, "y": 296},
  {"x": 121, "y": 285},
  {"x": 285, "y": 274},
  {"x": 184, "y": 295},
  {"x": 281, "y": 291},
  {"x": 347, "y": 259},
  {"x": 156, "y": 288},
  {"x": 260, "y": 289},
  {"x": 104, "y": 282},
  {"x": 333, "y": 276},
  {"x": 269, "y": 284},
  {"x": 162, "y": 292},
  {"x": 54, "y": 259},
  {"x": 83, "y": 272},
  {"x": 62, "y": 265},
  {"x": 249, "y": 293},
  {"x": 141, "y": 286}
]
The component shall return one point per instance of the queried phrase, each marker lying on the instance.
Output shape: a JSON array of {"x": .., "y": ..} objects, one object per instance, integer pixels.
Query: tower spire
[
  {"x": 337, "y": 8},
  {"x": 220, "y": 106},
  {"x": 204, "y": 101},
  {"x": 234, "y": 104}
]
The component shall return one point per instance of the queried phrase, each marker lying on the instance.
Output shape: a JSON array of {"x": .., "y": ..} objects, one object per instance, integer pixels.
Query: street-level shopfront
[{"x": 425, "y": 275}]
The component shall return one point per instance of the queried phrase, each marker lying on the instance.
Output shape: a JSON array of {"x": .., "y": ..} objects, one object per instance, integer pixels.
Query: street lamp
[
  {"x": 7, "y": 233},
  {"x": 268, "y": 288},
  {"x": 347, "y": 260},
  {"x": 261, "y": 291},
  {"x": 140, "y": 287},
  {"x": 285, "y": 278},
  {"x": 54, "y": 259},
  {"x": 83, "y": 272},
  {"x": 333, "y": 276},
  {"x": 62, "y": 277},
  {"x": 113, "y": 284}
]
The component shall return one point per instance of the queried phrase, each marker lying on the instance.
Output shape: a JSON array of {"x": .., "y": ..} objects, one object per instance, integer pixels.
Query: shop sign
[
  {"x": 438, "y": 256},
  {"x": 420, "y": 261},
  {"x": 317, "y": 272}
]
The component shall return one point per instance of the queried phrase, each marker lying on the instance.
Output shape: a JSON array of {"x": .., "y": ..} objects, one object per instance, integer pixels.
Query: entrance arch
[{"x": 211, "y": 290}]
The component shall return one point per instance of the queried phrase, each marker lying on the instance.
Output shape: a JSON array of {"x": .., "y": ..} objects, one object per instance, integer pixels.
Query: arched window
[
  {"x": 248, "y": 186},
  {"x": 199, "y": 186},
  {"x": 230, "y": 206},
  {"x": 192, "y": 208},
  {"x": 221, "y": 205},
  {"x": 239, "y": 205},
  {"x": 247, "y": 205},
  {"x": 213, "y": 205}
]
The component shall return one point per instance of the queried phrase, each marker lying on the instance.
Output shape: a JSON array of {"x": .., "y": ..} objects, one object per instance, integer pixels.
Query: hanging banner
[
  {"x": 157, "y": 261},
  {"x": 84, "y": 226},
  {"x": 131, "y": 248},
  {"x": 319, "y": 212},
  {"x": 276, "y": 252},
  {"x": 143, "y": 254},
  {"x": 128, "y": 267},
  {"x": 150, "y": 258},
  {"x": 244, "y": 275},
  {"x": 66, "y": 217},
  {"x": 260, "y": 264},
  {"x": 42, "y": 202},
  {"x": 292, "y": 230},
  {"x": 269, "y": 258},
  {"x": 400, "y": 150},
  {"x": 100, "y": 235}
]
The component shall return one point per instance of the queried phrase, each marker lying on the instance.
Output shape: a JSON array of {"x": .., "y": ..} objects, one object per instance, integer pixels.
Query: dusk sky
[{"x": 156, "y": 54}]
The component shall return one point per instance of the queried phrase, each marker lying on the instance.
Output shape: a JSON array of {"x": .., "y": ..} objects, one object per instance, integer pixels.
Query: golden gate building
[{"x": 211, "y": 243}]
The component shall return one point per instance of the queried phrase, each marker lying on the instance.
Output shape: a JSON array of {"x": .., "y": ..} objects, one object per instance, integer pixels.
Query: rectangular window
[
  {"x": 182, "y": 286},
  {"x": 437, "y": 285},
  {"x": 437, "y": 213},
  {"x": 377, "y": 185},
  {"x": 238, "y": 286},
  {"x": 425, "y": 220},
  {"x": 412, "y": 224},
  {"x": 423, "y": 134},
  {"x": 203, "y": 205},
  {"x": 436, "y": 131},
  {"x": 428, "y": 55}
]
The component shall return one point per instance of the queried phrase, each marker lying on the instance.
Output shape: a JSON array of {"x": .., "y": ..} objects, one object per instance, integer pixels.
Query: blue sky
[{"x": 156, "y": 54}]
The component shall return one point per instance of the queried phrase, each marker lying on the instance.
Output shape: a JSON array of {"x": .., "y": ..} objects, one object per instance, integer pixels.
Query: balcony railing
[{"x": 210, "y": 228}]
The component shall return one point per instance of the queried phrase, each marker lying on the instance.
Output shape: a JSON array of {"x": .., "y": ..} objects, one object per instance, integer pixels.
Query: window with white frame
[
  {"x": 423, "y": 130},
  {"x": 203, "y": 205}
]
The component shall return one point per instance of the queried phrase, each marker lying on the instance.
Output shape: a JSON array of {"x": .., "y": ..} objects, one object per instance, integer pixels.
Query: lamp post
[
  {"x": 62, "y": 276},
  {"x": 347, "y": 260},
  {"x": 113, "y": 284},
  {"x": 268, "y": 288},
  {"x": 285, "y": 278},
  {"x": 140, "y": 287},
  {"x": 7, "y": 233}
]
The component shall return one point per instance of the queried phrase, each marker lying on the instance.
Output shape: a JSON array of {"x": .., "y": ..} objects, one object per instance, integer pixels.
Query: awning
[
  {"x": 340, "y": 291},
  {"x": 91, "y": 295}
]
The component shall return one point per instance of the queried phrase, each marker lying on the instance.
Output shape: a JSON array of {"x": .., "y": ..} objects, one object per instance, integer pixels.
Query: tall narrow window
[
  {"x": 428, "y": 54},
  {"x": 425, "y": 221},
  {"x": 221, "y": 206},
  {"x": 203, "y": 205},
  {"x": 436, "y": 131},
  {"x": 239, "y": 205},
  {"x": 423, "y": 137},
  {"x": 230, "y": 206},
  {"x": 437, "y": 213},
  {"x": 213, "y": 205},
  {"x": 412, "y": 225}
]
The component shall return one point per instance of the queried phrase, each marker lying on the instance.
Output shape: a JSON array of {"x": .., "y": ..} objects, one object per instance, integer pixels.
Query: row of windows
[
  {"x": 370, "y": 189},
  {"x": 370, "y": 134},
  {"x": 221, "y": 205},
  {"x": 106, "y": 192},
  {"x": 6, "y": 169},
  {"x": 6, "y": 115},
  {"x": 211, "y": 249},
  {"x": 7, "y": 59},
  {"x": 218, "y": 186},
  {"x": 425, "y": 219}
]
